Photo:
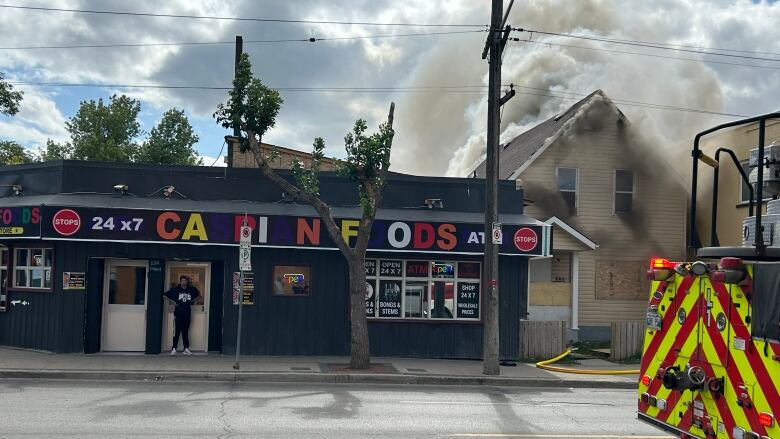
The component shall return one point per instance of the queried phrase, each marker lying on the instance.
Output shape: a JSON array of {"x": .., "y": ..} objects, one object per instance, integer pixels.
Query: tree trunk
[{"x": 359, "y": 357}]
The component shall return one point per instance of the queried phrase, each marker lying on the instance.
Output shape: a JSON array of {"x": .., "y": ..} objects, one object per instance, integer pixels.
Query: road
[{"x": 82, "y": 409}]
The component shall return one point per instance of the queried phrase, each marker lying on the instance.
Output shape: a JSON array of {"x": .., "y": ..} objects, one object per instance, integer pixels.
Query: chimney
[{"x": 232, "y": 146}]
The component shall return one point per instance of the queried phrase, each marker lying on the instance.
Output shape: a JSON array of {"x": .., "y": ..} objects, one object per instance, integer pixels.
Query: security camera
[
  {"x": 120, "y": 187},
  {"x": 168, "y": 191}
]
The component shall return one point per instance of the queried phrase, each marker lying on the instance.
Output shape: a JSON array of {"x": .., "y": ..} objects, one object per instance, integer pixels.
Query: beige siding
[
  {"x": 656, "y": 226},
  {"x": 284, "y": 160},
  {"x": 730, "y": 213},
  {"x": 561, "y": 267}
]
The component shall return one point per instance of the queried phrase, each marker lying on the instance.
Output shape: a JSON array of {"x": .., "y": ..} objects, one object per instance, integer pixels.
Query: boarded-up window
[{"x": 621, "y": 280}]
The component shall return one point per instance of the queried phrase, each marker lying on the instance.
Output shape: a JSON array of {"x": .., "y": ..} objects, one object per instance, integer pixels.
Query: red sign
[
  {"x": 66, "y": 222},
  {"x": 526, "y": 239}
]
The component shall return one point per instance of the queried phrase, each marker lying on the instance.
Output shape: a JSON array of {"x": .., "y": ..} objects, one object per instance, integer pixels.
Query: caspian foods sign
[
  {"x": 129, "y": 225},
  {"x": 20, "y": 222}
]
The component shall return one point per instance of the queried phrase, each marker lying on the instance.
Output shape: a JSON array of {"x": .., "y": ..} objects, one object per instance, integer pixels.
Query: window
[
  {"x": 291, "y": 280},
  {"x": 419, "y": 289},
  {"x": 32, "y": 268},
  {"x": 567, "y": 186},
  {"x": 624, "y": 191}
]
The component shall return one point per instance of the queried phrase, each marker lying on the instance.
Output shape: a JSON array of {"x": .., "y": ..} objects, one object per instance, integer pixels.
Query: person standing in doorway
[{"x": 182, "y": 295}]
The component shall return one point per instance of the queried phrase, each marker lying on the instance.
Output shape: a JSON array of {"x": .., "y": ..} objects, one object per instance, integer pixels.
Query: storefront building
[{"x": 89, "y": 248}]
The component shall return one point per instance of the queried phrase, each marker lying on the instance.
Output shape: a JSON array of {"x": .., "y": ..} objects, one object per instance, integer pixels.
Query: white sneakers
[{"x": 186, "y": 351}]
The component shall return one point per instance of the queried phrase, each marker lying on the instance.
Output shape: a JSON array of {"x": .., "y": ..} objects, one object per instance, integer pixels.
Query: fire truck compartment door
[{"x": 766, "y": 301}]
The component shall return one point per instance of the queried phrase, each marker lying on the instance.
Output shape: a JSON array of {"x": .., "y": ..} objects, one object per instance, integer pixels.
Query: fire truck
[{"x": 711, "y": 356}]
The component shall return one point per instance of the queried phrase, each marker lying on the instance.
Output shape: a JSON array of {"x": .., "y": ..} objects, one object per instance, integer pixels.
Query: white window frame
[
  {"x": 428, "y": 281},
  {"x": 4, "y": 273},
  {"x": 28, "y": 268},
  {"x": 576, "y": 184},
  {"x": 615, "y": 191}
]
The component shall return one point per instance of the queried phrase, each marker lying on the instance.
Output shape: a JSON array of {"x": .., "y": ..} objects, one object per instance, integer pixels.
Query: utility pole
[
  {"x": 236, "y": 127},
  {"x": 496, "y": 40}
]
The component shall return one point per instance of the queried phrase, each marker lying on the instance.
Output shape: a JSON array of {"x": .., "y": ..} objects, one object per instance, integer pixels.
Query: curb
[{"x": 322, "y": 378}]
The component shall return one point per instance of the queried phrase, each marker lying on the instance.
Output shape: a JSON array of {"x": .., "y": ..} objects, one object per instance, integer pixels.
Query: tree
[
  {"x": 12, "y": 153},
  {"x": 9, "y": 99},
  {"x": 55, "y": 151},
  {"x": 105, "y": 132},
  {"x": 170, "y": 142},
  {"x": 253, "y": 108}
]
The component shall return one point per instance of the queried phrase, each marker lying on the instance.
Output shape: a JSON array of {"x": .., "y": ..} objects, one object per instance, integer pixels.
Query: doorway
[
  {"x": 124, "y": 306},
  {"x": 200, "y": 275}
]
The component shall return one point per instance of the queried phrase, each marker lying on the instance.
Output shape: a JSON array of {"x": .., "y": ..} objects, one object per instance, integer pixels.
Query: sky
[{"x": 438, "y": 131}]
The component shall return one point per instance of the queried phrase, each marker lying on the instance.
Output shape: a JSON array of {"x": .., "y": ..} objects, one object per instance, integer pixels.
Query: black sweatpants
[{"x": 181, "y": 327}]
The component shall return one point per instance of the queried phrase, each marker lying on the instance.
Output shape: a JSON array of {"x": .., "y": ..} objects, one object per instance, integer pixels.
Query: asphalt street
[{"x": 41, "y": 408}]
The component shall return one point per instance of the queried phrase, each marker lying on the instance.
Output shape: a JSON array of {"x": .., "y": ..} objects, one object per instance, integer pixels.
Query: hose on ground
[{"x": 546, "y": 366}]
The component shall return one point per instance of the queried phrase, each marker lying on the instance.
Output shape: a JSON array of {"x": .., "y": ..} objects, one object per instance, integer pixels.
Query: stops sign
[
  {"x": 66, "y": 222},
  {"x": 526, "y": 239}
]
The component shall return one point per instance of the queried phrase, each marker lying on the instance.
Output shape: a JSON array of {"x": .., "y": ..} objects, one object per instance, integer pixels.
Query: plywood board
[{"x": 621, "y": 280}]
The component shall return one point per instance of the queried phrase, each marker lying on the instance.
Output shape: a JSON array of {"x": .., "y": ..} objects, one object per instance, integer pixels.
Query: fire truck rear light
[
  {"x": 646, "y": 398},
  {"x": 718, "y": 276},
  {"x": 646, "y": 380},
  {"x": 766, "y": 419},
  {"x": 652, "y": 400},
  {"x": 751, "y": 435},
  {"x": 661, "y": 404},
  {"x": 731, "y": 264},
  {"x": 657, "y": 263}
]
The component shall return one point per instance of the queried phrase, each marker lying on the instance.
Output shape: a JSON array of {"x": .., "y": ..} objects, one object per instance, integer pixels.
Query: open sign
[
  {"x": 443, "y": 270},
  {"x": 293, "y": 278}
]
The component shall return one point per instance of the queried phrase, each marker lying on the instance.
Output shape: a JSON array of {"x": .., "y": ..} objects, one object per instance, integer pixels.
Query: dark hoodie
[{"x": 183, "y": 298}]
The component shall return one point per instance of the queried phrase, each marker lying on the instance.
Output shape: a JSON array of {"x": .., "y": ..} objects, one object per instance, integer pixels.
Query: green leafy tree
[
  {"x": 170, "y": 142},
  {"x": 253, "y": 107},
  {"x": 55, "y": 151},
  {"x": 105, "y": 132},
  {"x": 9, "y": 99},
  {"x": 12, "y": 153}
]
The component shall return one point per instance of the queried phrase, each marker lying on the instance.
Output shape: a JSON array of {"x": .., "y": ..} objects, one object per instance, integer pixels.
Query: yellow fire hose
[{"x": 545, "y": 365}]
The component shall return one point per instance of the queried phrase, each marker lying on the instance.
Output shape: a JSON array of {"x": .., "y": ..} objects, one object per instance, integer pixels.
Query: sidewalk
[{"x": 17, "y": 363}]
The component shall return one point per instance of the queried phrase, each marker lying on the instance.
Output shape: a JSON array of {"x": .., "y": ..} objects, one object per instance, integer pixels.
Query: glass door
[
  {"x": 199, "y": 274},
  {"x": 124, "y": 306}
]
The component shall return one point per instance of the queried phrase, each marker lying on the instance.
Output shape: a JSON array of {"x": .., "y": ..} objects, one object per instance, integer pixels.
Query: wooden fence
[
  {"x": 542, "y": 340},
  {"x": 627, "y": 340}
]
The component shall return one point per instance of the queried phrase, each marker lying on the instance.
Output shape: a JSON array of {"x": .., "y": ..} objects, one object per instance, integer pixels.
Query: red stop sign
[
  {"x": 66, "y": 222},
  {"x": 526, "y": 239}
]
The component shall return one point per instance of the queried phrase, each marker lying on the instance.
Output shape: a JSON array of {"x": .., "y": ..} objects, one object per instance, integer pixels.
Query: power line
[
  {"x": 248, "y": 19},
  {"x": 205, "y": 43},
  {"x": 651, "y": 55},
  {"x": 420, "y": 89},
  {"x": 645, "y": 44}
]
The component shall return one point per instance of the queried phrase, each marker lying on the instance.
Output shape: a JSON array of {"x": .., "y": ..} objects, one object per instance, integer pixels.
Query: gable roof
[
  {"x": 576, "y": 234},
  {"x": 518, "y": 152}
]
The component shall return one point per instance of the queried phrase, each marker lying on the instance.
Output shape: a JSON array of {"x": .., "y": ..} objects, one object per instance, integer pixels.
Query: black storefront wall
[{"x": 70, "y": 321}]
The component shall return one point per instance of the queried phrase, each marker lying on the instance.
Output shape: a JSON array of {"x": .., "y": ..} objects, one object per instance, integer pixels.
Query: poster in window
[
  {"x": 370, "y": 298},
  {"x": 292, "y": 280},
  {"x": 417, "y": 269},
  {"x": 468, "y": 300},
  {"x": 391, "y": 268},
  {"x": 370, "y": 265},
  {"x": 390, "y": 298},
  {"x": 468, "y": 270}
]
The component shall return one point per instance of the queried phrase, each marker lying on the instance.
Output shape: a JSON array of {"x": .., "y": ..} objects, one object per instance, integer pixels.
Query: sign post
[
  {"x": 498, "y": 236},
  {"x": 244, "y": 264}
]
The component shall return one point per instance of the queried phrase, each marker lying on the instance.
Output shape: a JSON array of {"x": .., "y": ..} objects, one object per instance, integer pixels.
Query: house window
[
  {"x": 421, "y": 289},
  {"x": 292, "y": 280},
  {"x": 624, "y": 191},
  {"x": 567, "y": 186},
  {"x": 32, "y": 268}
]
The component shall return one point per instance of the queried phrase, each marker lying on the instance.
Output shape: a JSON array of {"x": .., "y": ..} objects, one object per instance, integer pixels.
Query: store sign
[
  {"x": 130, "y": 225},
  {"x": 390, "y": 298},
  {"x": 20, "y": 222},
  {"x": 370, "y": 299},
  {"x": 468, "y": 300},
  {"x": 72, "y": 280},
  {"x": 248, "y": 290}
]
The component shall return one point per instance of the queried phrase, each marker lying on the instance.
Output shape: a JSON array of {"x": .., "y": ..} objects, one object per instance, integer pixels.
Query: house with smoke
[{"x": 614, "y": 203}]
